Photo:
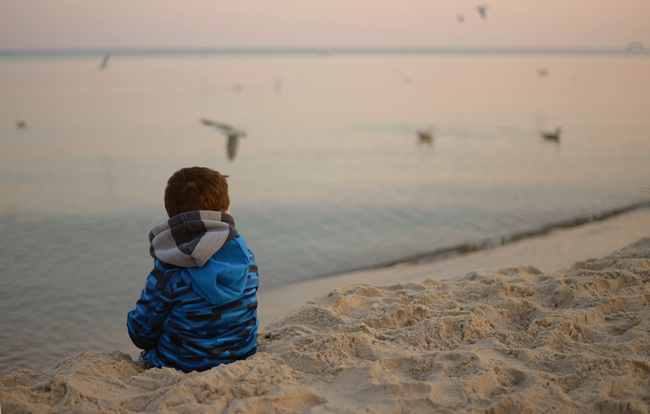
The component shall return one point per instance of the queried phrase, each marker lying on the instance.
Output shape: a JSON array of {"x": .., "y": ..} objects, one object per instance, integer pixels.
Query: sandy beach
[{"x": 556, "y": 324}]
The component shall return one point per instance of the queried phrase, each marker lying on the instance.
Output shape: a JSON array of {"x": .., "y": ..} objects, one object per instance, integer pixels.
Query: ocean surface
[{"x": 330, "y": 178}]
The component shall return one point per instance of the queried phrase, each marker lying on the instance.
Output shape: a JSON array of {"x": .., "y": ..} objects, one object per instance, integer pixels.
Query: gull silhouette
[
  {"x": 102, "y": 65},
  {"x": 482, "y": 9},
  {"x": 232, "y": 133}
]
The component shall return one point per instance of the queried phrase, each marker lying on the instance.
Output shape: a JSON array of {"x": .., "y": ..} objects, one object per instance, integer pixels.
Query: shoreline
[
  {"x": 550, "y": 251},
  {"x": 449, "y": 252},
  {"x": 517, "y": 339}
]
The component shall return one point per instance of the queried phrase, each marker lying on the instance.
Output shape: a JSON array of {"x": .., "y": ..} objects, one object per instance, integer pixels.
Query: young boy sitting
[{"x": 198, "y": 308}]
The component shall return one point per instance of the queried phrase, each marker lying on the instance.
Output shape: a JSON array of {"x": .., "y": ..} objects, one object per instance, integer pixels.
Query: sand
[
  {"x": 513, "y": 340},
  {"x": 550, "y": 253}
]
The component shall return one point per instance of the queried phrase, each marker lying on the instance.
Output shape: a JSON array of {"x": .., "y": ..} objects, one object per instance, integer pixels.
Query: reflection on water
[{"x": 332, "y": 176}]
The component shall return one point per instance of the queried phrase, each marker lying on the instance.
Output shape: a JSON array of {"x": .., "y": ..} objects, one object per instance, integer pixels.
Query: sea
[{"x": 331, "y": 176}]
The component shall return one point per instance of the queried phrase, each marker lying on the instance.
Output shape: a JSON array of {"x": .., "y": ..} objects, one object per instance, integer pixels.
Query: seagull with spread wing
[
  {"x": 232, "y": 133},
  {"x": 482, "y": 10}
]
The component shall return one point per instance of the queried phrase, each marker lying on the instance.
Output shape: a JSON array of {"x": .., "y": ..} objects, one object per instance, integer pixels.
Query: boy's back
[{"x": 198, "y": 308}]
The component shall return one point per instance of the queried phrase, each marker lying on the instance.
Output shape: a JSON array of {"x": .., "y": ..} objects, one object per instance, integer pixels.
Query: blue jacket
[{"x": 198, "y": 308}]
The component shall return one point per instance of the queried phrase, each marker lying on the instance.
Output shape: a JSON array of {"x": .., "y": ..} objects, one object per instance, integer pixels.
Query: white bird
[
  {"x": 552, "y": 136},
  {"x": 232, "y": 133},
  {"x": 102, "y": 65},
  {"x": 482, "y": 9}
]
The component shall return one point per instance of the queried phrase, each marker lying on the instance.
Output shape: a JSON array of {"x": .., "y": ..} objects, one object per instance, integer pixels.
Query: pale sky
[{"x": 115, "y": 24}]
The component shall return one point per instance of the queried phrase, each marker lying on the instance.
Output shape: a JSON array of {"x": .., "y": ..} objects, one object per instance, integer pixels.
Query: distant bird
[
  {"x": 482, "y": 10},
  {"x": 425, "y": 136},
  {"x": 552, "y": 136},
  {"x": 634, "y": 45},
  {"x": 21, "y": 124},
  {"x": 233, "y": 135},
  {"x": 102, "y": 65},
  {"x": 460, "y": 18},
  {"x": 407, "y": 79},
  {"x": 542, "y": 72}
]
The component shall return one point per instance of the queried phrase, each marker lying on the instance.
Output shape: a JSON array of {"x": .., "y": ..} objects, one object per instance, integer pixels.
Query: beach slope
[{"x": 507, "y": 341}]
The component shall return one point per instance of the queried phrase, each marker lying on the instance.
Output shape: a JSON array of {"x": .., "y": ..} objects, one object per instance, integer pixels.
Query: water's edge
[{"x": 490, "y": 243}]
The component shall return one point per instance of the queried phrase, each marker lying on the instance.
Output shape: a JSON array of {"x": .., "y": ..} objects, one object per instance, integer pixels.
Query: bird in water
[
  {"x": 482, "y": 10},
  {"x": 552, "y": 136},
  {"x": 425, "y": 136},
  {"x": 21, "y": 124},
  {"x": 232, "y": 133}
]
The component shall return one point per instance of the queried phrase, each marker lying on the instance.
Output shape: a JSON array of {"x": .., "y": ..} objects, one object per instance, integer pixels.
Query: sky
[{"x": 138, "y": 24}]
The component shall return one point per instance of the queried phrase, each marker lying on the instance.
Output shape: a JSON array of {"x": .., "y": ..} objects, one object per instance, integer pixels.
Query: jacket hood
[
  {"x": 190, "y": 239},
  {"x": 223, "y": 277},
  {"x": 200, "y": 243}
]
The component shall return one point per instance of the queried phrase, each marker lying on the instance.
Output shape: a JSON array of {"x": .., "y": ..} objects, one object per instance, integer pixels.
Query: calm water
[{"x": 330, "y": 178}]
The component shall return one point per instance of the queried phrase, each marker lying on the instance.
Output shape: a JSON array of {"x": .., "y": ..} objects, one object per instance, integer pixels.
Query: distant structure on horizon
[{"x": 634, "y": 46}]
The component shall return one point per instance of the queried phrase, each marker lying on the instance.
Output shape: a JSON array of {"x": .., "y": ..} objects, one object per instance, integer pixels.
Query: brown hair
[{"x": 196, "y": 188}]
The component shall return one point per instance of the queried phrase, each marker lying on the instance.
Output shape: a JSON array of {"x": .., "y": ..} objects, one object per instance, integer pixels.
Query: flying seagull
[
  {"x": 552, "y": 136},
  {"x": 482, "y": 9},
  {"x": 232, "y": 133},
  {"x": 102, "y": 65}
]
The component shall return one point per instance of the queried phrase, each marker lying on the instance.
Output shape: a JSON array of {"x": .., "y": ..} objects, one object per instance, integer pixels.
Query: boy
[{"x": 198, "y": 308}]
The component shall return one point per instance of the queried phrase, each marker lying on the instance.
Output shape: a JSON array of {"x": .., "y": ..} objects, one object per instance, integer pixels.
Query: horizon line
[{"x": 324, "y": 50}]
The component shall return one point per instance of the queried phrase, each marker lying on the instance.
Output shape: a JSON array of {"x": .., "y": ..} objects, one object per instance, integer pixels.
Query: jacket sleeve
[{"x": 145, "y": 321}]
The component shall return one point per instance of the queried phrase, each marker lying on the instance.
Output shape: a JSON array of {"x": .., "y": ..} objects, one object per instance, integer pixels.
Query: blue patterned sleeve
[{"x": 145, "y": 321}]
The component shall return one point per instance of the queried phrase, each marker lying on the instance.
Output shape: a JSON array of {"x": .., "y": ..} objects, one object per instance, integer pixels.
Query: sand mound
[{"x": 507, "y": 341}]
